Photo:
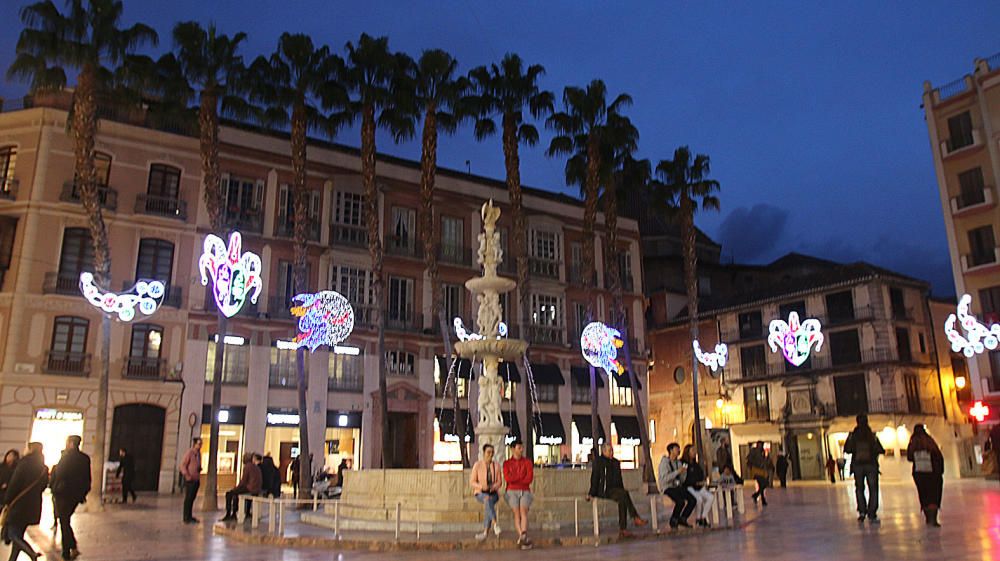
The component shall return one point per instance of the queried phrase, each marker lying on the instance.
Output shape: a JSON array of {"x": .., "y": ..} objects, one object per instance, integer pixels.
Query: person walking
[
  {"x": 606, "y": 483},
  {"x": 781, "y": 466},
  {"x": 70, "y": 483},
  {"x": 23, "y": 500},
  {"x": 831, "y": 469},
  {"x": 250, "y": 483},
  {"x": 670, "y": 479},
  {"x": 694, "y": 482},
  {"x": 126, "y": 471},
  {"x": 270, "y": 476},
  {"x": 724, "y": 459},
  {"x": 295, "y": 469},
  {"x": 486, "y": 480},
  {"x": 10, "y": 460},
  {"x": 191, "y": 472},
  {"x": 928, "y": 472},
  {"x": 519, "y": 472},
  {"x": 758, "y": 468},
  {"x": 865, "y": 449}
]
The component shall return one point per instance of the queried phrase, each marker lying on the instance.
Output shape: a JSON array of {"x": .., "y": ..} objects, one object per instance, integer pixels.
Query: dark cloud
[{"x": 750, "y": 234}]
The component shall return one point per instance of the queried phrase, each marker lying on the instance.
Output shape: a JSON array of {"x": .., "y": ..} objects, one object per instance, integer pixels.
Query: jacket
[
  {"x": 695, "y": 477},
  {"x": 251, "y": 480},
  {"x": 191, "y": 465},
  {"x": 670, "y": 474},
  {"x": 70, "y": 479},
  {"x": 723, "y": 458},
  {"x": 6, "y": 472},
  {"x": 605, "y": 476},
  {"x": 518, "y": 474},
  {"x": 30, "y": 474},
  {"x": 924, "y": 443},
  {"x": 126, "y": 468},
  {"x": 859, "y": 436},
  {"x": 270, "y": 476},
  {"x": 477, "y": 480},
  {"x": 782, "y": 464}
]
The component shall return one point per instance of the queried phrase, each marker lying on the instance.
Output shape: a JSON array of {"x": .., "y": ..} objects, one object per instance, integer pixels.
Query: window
[
  {"x": 851, "y": 394},
  {"x": 903, "y": 344},
  {"x": 839, "y": 307},
  {"x": 580, "y": 390},
  {"x": 67, "y": 353},
  {"x": 441, "y": 378},
  {"x": 453, "y": 300},
  {"x": 76, "y": 256},
  {"x": 452, "y": 239},
  {"x": 155, "y": 261},
  {"x": 704, "y": 286},
  {"x": 897, "y": 303},
  {"x": 235, "y": 362},
  {"x": 786, "y": 309},
  {"x": 982, "y": 246},
  {"x": 972, "y": 188},
  {"x": 756, "y": 404},
  {"x": 346, "y": 372},
  {"x": 579, "y": 321},
  {"x": 544, "y": 245},
  {"x": 845, "y": 347},
  {"x": 283, "y": 372},
  {"x": 164, "y": 182},
  {"x": 679, "y": 375},
  {"x": 576, "y": 262},
  {"x": 400, "y": 311},
  {"x": 546, "y": 310},
  {"x": 620, "y": 395},
  {"x": 8, "y": 157},
  {"x": 505, "y": 309},
  {"x": 625, "y": 270},
  {"x": 989, "y": 301},
  {"x": 404, "y": 230},
  {"x": 102, "y": 168},
  {"x": 753, "y": 361},
  {"x": 994, "y": 380},
  {"x": 400, "y": 363},
  {"x": 912, "y": 387},
  {"x": 545, "y": 393},
  {"x": 244, "y": 200},
  {"x": 922, "y": 343},
  {"x": 144, "y": 351},
  {"x": 286, "y": 213},
  {"x": 751, "y": 325},
  {"x": 355, "y": 284},
  {"x": 960, "y": 131},
  {"x": 349, "y": 209},
  {"x": 286, "y": 282}
]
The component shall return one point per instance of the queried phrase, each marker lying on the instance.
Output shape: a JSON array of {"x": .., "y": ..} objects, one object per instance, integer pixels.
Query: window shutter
[
  {"x": 258, "y": 195},
  {"x": 224, "y": 185},
  {"x": 314, "y": 205},
  {"x": 283, "y": 203}
]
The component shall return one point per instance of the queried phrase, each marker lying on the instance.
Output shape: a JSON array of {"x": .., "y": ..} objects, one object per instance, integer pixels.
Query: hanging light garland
[
  {"x": 144, "y": 295},
  {"x": 465, "y": 335},
  {"x": 795, "y": 339},
  {"x": 713, "y": 361},
  {"x": 234, "y": 275},
  {"x": 599, "y": 345},
  {"x": 325, "y": 318},
  {"x": 977, "y": 338}
]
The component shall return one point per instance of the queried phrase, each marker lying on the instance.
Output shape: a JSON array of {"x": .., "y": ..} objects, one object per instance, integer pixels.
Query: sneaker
[
  {"x": 674, "y": 523},
  {"x": 496, "y": 529},
  {"x": 481, "y": 536},
  {"x": 763, "y": 501},
  {"x": 639, "y": 522},
  {"x": 526, "y": 546},
  {"x": 528, "y": 542}
]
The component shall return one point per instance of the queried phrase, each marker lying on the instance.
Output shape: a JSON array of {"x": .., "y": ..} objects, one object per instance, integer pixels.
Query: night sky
[{"x": 811, "y": 114}]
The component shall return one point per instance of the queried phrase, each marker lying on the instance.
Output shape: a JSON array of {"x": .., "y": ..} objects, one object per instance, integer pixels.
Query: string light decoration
[
  {"x": 234, "y": 275},
  {"x": 325, "y": 318},
  {"x": 465, "y": 335},
  {"x": 978, "y": 337},
  {"x": 795, "y": 339},
  {"x": 715, "y": 360},
  {"x": 145, "y": 295},
  {"x": 599, "y": 345}
]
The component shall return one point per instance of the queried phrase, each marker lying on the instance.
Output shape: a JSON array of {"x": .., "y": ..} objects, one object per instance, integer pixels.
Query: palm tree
[
  {"x": 593, "y": 132},
  {"x": 88, "y": 38},
  {"x": 682, "y": 185},
  {"x": 507, "y": 91},
  {"x": 373, "y": 75},
  {"x": 206, "y": 65},
  {"x": 437, "y": 93},
  {"x": 293, "y": 84}
]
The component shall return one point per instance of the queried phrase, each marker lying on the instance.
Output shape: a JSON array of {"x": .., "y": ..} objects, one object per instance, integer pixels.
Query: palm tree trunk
[
  {"x": 512, "y": 162},
  {"x": 691, "y": 286},
  {"x": 373, "y": 220},
  {"x": 298, "y": 147},
  {"x": 589, "y": 275}
]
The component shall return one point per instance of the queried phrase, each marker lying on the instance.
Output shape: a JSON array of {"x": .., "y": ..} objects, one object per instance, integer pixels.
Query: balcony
[
  {"x": 279, "y": 306},
  {"x": 885, "y": 405},
  {"x": 66, "y": 363},
  {"x": 249, "y": 220},
  {"x": 167, "y": 207},
  {"x": 286, "y": 229},
  {"x": 545, "y": 334},
  {"x": 577, "y": 276},
  {"x": 543, "y": 268},
  {"x": 403, "y": 247},
  {"x": 964, "y": 143},
  {"x": 976, "y": 262},
  {"x": 143, "y": 368},
  {"x": 455, "y": 254},
  {"x": 107, "y": 196},
  {"x": 364, "y": 316},
  {"x": 350, "y": 236},
  {"x": 172, "y": 298},
  {"x": 282, "y": 375},
  {"x": 8, "y": 188},
  {"x": 403, "y": 320},
  {"x": 732, "y": 335},
  {"x": 834, "y": 316},
  {"x": 348, "y": 383},
  {"x": 56, "y": 283},
  {"x": 972, "y": 202}
]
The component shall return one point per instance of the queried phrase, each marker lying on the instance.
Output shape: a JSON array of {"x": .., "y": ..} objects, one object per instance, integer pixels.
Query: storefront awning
[
  {"x": 463, "y": 368},
  {"x": 547, "y": 374},
  {"x": 510, "y": 421},
  {"x": 227, "y": 415},
  {"x": 623, "y": 380},
  {"x": 446, "y": 423},
  {"x": 508, "y": 372},
  {"x": 583, "y": 427},
  {"x": 581, "y": 376},
  {"x": 626, "y": 427},
  {"x": 551, "y": 430},
  {"x": 343, "y": 419}
]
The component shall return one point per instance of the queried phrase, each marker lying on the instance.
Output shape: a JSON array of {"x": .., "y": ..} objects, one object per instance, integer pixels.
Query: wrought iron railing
[
  {"x": 156, "y": 205},
  {"x": 67, "y": 363}
]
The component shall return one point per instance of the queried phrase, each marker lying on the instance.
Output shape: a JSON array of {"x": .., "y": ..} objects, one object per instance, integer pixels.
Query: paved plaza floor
[{"x": 802, "y": 523}]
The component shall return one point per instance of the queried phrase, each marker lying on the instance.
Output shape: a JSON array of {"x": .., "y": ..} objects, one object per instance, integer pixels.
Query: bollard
[
  {"x": 654, "y": 517},
  {"x": 418, "y": 522},
  {"x": 727, "y": 503},
  {"x": 399, "y": 508},
  {"x": 255, "y": 514},
  {"x": 576, "y": 517},
  {"x": 270, "y": 515},
  {"x": 597, "y": 523},
  {"x": 336, "y": 520},
  {"x": 715, "y": 508},
  {"x": 281, "y": 519}
]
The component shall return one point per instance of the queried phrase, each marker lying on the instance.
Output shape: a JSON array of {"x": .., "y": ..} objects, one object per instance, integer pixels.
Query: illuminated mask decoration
[
  {"x": 146, "y": 295},
  {"x": 795, "y": 339},
  {"x": 977, "y": 337},
  {"x": 715, "y": 360},
  {"x": 464, "y": 335},
  {"x": 600, "y": 345},
  {"x": 234, "y": 275},
  {"x": 325, "y": 318}
]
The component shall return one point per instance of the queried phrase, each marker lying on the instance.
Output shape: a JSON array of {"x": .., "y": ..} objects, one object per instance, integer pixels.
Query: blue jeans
[
  {"x": 866, "y": 473},
  {"x": 489, "y": 501}
]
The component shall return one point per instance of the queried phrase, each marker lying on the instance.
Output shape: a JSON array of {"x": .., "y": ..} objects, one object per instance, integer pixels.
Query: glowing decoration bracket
[
  {"x": 599, "y": 345},
  {"x": 325, "y": 318},
  {"x": 464, "y": 335},
  {"x": 795, "y": 339},
  {"x": 234, "y": 275},
  {"x": 715, "y": 360},
  {"x": 146, "y": 295},
  {"x": 979, "y": 412},
  {"x": 978, "y": 337}
]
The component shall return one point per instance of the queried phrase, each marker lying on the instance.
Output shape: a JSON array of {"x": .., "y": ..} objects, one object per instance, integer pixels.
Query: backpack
[{"x": 864, "y": 450}]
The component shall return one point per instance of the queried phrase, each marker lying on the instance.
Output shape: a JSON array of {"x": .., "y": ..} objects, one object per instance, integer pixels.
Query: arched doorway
[{"x": 138, "y": 427}]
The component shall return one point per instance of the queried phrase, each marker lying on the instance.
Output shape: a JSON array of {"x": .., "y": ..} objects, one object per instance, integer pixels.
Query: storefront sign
[
  {"x": 235, "y": 275},
  {"x": 146, "y": 295},
  {"x": 550, "y": 440},
  {"x": 283, "y": 419},
  {"x": 58, "y": 415},
  {"x": 795, "y": 339}
]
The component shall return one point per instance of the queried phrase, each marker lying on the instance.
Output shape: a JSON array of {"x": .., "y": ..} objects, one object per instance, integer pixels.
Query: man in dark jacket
[
  {"x": 250, "y": 484},
  {"x": 272, "y": 478},
  {"x": 70, "y": 484},
  {"x": 24, "y": 499},
  {"x": 126, "y": 470},
  {"x": 865, "y": 449},
  {"x": 606, "y": 483}
]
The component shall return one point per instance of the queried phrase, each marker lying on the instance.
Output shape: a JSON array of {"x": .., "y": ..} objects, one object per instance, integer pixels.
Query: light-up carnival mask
[
  {"x": 234, "y": 275},
  {"x": 599, "y": 344},
  {"x": 977, "y": 338},
  {"x": 465, "y": 335},
  {"x": 325, "y": 318},
  {"x": 146, "y": 295},
  {"x": 795, "y": 339},
  {"x": 715, "y": 360}
]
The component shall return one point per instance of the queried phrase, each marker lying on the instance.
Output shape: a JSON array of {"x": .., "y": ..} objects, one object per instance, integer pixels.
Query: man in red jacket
[{"x": 518, "y": 472}]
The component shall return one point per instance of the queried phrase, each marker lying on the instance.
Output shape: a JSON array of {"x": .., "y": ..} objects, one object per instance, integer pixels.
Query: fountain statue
[{"x": 490, "y": 346}]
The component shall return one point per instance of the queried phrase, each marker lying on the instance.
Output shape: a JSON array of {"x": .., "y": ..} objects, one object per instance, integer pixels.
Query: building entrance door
[
  {"x": 138, "y": 427},
  {"x": 809, "y": 454},
  {"x": 403, "y": 440}
]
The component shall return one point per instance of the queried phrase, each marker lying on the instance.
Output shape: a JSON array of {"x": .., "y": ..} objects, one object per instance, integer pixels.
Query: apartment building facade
[
  {"x": 963, "y": 122},
  {"x": 161, "y": 368}
]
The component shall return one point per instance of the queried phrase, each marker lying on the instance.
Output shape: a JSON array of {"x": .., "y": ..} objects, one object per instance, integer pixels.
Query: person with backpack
[
  {"x": 928, "y": 472},
  {"x": 23, "y": 498},
  {"x": 865, "y": 448}
]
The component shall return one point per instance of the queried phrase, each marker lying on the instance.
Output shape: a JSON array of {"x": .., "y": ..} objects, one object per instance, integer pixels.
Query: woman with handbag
[
  {"x": 928, "y": 471},
  {"x": 759, "y": 470},
  {"x": 23, "y": 501}
]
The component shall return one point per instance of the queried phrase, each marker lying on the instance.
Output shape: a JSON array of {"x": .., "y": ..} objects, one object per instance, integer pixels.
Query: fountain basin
[
  {"x": 507, "y": 349},
  {"x": 483, "y": 284}
]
